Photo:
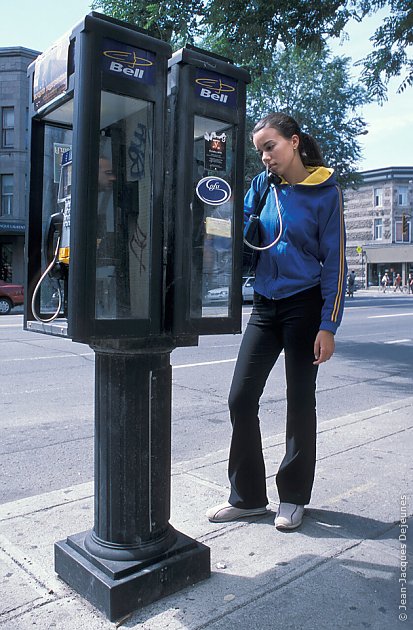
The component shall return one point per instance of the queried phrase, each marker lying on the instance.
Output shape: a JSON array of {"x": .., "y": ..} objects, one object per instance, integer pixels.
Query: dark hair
[{"x": 310, "y": 152}]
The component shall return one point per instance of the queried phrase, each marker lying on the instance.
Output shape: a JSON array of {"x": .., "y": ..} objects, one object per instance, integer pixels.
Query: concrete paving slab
[
  {"x": 70, "y": 613},
  {"x": 338, "y": 571},
  {"x": 371, "y": 487},
  {"x": 17, "y": 592},
  {"x": 357, "y": 589},
  {"x": 46, "y": 501}
]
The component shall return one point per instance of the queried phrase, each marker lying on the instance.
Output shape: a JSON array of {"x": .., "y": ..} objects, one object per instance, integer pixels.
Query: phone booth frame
[
  {"x": 88, "y": 81},
  {"x": 133, "y": 556},
  {"x": 190, "y": 71}
]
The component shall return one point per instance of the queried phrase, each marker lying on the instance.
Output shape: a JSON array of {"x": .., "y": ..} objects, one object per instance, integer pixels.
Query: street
[{"x": 46, "y": 426}]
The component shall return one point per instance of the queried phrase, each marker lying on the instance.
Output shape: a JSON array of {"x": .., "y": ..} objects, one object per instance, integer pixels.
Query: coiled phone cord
[
  {"x": 42, "y": 277},
  {"x": 261, "y": 249}
]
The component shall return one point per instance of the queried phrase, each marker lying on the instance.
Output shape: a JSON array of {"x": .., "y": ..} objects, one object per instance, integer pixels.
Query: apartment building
[
  {"x": 14, "y": 98},
  {"x": 379, "y": 218}
]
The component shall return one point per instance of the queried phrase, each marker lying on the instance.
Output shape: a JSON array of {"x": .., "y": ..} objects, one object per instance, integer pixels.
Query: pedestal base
[{"x": 117, "y": 588}]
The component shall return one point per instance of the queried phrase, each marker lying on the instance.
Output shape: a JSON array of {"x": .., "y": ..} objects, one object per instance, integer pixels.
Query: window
[
  {"x": 402, "y": 195},
  {"x": 378, "y": 229},
  {"x": 6, "y": 262},
  {"x": 378, "y": 196},
  {"x": 26, "y": 133},
  {"x": 7, "y": 127},
  {"x": 402, "y": 236},
  {"x": 7, "y": 186}
]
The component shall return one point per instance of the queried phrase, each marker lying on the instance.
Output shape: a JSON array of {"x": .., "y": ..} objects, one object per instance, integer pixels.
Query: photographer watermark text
[{"x": 403, "y": 559}]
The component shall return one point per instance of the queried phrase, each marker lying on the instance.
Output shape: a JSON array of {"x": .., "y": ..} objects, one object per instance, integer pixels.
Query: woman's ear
[{"x": 295, "y": 141}]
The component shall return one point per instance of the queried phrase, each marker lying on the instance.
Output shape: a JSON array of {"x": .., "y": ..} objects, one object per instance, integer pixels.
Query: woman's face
[{"x": 277, "y": 153}]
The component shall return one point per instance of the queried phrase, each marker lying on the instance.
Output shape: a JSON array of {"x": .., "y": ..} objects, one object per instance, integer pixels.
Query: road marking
[
  {"x": 88, "y": 354},
  {"x": 55, "y": 356},
  {"x": 393, "y": 315},
  {"x": 397, "y": 341},
  {"x": 232, "y": 345},
  {"x": 11, "y": 326},
  {"x": 187, "y": 365}
]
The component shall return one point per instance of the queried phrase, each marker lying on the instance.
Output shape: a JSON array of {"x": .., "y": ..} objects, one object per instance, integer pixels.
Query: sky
[{"x": 390, "y": 138}]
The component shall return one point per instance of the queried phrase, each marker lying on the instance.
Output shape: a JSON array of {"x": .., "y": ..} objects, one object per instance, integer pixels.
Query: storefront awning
[
  {"x": 12, "y": 227},
  {"x": 389, "y": 253}
]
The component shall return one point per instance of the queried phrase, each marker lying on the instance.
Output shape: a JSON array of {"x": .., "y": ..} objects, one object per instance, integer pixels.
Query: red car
[{"x": 10, "y": 295}]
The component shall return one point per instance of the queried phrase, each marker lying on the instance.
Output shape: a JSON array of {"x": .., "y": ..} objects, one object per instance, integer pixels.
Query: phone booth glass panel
[
  {"x": 206, "y": 157},
  {"x": 95, "y": 255},
  {"x": 212, "y": 222},
  {"x": 57, "y": 143},
  {"x": 124, "y": 209}
]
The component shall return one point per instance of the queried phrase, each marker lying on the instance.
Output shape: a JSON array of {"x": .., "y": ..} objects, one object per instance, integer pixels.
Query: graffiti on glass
[{"x": 136, "y": 152}]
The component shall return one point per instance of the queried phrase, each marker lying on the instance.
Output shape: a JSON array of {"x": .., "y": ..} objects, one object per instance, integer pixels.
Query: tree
[
  {"x": 265, "y": 35},
  {"x": 174, "y": 21},
  {"x": 317, "y": 91},
  {"x": 247, "y": 27},
  {"x": 249, "y": 32},
  {"x": 392, "y": 43}
]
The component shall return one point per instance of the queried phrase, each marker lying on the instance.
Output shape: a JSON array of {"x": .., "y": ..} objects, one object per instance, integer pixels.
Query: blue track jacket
[{"x": 311, "y": 250}]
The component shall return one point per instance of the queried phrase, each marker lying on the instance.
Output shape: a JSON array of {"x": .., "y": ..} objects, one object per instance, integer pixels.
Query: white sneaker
[
  {"x": 289, "y": 516},
  {"x": 226, "y": 512}
]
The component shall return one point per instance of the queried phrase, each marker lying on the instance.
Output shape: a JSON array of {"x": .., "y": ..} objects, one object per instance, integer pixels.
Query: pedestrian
[
  {"x": 298, "y": 303},
  {"x": 398, "y": 283},
  {"x": 385, "y": 281},
  {"x": 410, "y": 283},
  {"x": 351, "y": 282}
]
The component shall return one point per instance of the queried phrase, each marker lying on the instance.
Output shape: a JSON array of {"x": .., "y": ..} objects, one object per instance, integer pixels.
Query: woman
[{"x": 298, "y": 304}]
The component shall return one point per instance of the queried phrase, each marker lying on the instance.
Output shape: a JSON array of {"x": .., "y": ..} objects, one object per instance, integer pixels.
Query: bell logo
[
  {"x": 214, "y": 89},
  {"x": 116, "y": 66},
  {"x": 128, "y": 62},
  {"x": 221, "y": 98}
]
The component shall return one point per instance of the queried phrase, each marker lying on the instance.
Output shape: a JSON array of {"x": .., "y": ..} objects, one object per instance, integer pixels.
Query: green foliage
[
  {"x": 282, "y": 43},
  {"x": 249, "y": 31},
  {"x": 316, "y": 90},
  {"x": 392, "y": 53},
  {"x": 247, "y": 28},
  {"x": 174, "y": 21}
]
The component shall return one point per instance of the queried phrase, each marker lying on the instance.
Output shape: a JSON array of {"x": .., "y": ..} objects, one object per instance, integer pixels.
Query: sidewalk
[
  {"x": 341, "y": 569},
  {"x": 375, "y": 292}
]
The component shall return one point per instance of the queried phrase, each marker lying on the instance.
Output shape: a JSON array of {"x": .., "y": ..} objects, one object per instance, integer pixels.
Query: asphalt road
[{"x": 47, "y": 391}]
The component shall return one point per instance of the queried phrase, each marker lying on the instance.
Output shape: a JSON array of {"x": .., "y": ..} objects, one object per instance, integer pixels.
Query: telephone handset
[
  {"x": 56, "y": 244},
  {"x": 273, "y": 179},
  {"x": 51, "y": 246},
  {"x": 252, "y": 230}
]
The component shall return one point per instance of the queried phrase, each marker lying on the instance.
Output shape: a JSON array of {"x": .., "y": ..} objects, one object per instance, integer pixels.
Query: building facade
[
  {"x": 14, "y": 98},
  {"x": 379, "y": 219}
]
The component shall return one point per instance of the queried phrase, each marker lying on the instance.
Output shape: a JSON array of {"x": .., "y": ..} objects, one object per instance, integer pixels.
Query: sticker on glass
[
  {"x": 218, "y": 227},
  {"x": 213, "y": 190},
  {"x": 215, "y": 151}
]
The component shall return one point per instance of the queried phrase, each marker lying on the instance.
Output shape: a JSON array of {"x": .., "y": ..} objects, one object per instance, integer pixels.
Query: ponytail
[
  {"x": 308, "y": 147},
  {"x": 310, "y": 151}
]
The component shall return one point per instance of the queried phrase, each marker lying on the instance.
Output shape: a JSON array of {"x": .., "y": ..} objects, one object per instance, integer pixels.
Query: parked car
[
  {"x": 219, "y": 295},
  {"x": 248, "y": 288},
  {"x": 10, "y": 295}
]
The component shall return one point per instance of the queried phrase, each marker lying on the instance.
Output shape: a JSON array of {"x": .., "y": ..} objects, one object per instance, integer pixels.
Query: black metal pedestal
[{"x": 133, "y": 556}]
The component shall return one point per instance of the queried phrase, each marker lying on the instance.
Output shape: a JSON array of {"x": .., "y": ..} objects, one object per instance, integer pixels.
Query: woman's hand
[{"x": 323, "y": 346}]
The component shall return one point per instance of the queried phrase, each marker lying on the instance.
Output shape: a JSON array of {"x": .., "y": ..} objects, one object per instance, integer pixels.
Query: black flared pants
[{"x": 289, "y": 324}]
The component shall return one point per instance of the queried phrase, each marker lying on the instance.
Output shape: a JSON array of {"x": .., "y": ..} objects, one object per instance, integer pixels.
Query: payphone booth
[
  {"x": 95, "y": 274},
  {"x": 96, "y": 185},
  {"x": 207, "y": 100},
  {"x": 111, "y": 221}
]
